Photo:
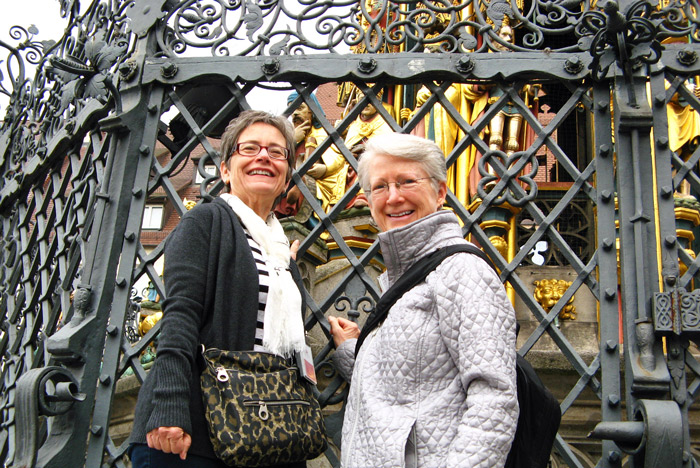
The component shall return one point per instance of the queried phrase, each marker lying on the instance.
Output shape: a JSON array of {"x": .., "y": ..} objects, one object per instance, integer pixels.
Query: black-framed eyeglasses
[
  {"x": 248, "y": 148},
  {"x": 382, "y": 188}
]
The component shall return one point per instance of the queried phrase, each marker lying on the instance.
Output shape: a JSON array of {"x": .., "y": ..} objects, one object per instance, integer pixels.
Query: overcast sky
[{"x": 45, "y": 15}]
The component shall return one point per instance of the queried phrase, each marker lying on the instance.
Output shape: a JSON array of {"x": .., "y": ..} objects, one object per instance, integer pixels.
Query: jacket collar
[{"x": 403, "y": 246}]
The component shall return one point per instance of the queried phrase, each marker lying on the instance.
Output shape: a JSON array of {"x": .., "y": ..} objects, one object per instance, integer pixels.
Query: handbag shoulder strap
[{"x": 413, "y": 276}]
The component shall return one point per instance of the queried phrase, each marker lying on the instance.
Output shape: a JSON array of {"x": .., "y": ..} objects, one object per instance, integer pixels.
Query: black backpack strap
[{"x": 413, "y": 276}]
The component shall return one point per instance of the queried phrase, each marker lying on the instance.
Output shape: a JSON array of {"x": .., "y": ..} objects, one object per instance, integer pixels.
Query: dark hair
[{"x": 245, "y": 119}]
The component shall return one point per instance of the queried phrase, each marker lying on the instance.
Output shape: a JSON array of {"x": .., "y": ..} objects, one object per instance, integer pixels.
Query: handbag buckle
[{"x": 221, "y": 374}]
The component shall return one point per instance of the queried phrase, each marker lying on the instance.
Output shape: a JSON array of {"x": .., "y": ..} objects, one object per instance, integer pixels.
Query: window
[
  {"x": 208, "y": 168},
  {"x": 152, "y": 217}
]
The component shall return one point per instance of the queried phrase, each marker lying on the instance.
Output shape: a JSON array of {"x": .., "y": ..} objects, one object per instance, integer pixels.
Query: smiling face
[
  {"x": 396, "y": 209},
  {"x": 257, "y": 180}
]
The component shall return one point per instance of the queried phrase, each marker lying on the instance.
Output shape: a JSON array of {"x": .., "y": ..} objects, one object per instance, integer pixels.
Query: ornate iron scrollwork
[
  {"x": 628, "y": 39},
  {"x": 143, "y": 14},
  {"x": 77, "y": 70},
  {"x": 244, "y": 27}
]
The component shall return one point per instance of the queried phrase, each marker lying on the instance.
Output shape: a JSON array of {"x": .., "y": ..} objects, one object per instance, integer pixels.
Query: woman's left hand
[
  {"x": 170, "y": 440},
  {"x": 293, "y": 249},
  {"x": 343, "y": 329}
]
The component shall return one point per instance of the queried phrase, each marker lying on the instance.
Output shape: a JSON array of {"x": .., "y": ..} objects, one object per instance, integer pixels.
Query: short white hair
[{"x": 402, "y": 145}]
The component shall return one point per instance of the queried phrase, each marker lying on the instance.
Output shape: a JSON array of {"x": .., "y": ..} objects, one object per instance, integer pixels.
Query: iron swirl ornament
[{"x": 629, "y": 39}]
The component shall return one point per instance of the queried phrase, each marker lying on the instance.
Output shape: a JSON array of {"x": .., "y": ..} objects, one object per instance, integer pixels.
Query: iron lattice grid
[{"x": 79, "y": 163}]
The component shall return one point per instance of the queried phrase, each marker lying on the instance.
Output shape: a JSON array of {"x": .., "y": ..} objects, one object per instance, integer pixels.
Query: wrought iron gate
[{"x": 601, "y": 191}]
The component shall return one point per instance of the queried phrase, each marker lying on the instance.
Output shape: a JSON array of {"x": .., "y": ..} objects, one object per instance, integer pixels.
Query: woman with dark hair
[
  {"x": 231, "y": 283},
  {"x": 434, "y": 385}
]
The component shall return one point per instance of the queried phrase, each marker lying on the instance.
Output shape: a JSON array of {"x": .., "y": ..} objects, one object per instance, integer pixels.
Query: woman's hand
[
  {"x": 293, "y": 249},
  {"x": 170, "y": 440},
  {"x": 317, "y": 171},
  {"x": 343, "y": 329},
  {"x": 301, "y": 130}
]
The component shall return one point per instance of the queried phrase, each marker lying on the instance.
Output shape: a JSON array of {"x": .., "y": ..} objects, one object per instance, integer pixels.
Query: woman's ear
[
  {"x": 442, "y": 193},
  {"x": 225, "y": 173}
]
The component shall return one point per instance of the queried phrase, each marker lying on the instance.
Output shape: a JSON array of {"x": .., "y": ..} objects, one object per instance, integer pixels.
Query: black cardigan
[{"x": 211, "y": 283}]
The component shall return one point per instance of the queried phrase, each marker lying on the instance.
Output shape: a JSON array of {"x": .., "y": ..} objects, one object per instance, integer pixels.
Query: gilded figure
[{"x": 549, "y": 291}]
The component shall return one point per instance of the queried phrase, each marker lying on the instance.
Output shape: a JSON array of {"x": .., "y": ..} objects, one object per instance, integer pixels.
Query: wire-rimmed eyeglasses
[{"x": 381, "y": 189}]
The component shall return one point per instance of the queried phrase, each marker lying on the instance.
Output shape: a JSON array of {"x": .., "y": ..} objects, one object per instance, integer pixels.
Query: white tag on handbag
[{"x": 305, "y": 362}]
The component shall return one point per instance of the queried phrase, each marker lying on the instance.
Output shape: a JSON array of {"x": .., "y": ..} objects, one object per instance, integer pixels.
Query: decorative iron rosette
[
  {"x": 517, "y": 171},
  {"x": 628, "y": 39}
]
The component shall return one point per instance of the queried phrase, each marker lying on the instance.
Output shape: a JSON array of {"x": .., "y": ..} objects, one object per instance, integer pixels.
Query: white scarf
[{"x": 283, "y": 329}]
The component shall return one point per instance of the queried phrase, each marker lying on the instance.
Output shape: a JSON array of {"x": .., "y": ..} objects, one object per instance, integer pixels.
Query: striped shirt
[{"x": 264, "y": 280}]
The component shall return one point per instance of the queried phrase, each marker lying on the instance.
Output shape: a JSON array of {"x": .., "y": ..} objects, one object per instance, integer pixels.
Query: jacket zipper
[
  {"x": 262, "y": 405},
  {"x": 371, "y": 338}
]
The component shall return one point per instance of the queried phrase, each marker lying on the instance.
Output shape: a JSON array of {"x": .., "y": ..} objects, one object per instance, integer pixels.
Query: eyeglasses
[
  {"x": 254, "y": 149},
  {"x": 406, "y": 185}
]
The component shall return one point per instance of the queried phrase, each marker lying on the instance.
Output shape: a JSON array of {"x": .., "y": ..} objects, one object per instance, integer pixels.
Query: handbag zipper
[
  {"x": 222, "y": 374},
  {"x": 264, "y": 414}
]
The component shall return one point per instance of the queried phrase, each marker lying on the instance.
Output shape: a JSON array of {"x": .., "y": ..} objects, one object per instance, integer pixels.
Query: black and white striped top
[{"x": 264, "y": 280}]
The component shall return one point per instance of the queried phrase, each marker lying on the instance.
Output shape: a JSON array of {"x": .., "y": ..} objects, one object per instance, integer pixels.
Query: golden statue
[
  {"x": 368, "y": 124},
  {"x": 147, "y": 322},
  {"x": 373, "y": 9},
  {"x": 501, "y": 245},
  {"x": 506, "y": 129},
  {"x": 549, "y": 291},
  {"x": 469, "y": 101},
  {"x": 328, "y": 172},
  {"x": 189, "y": 204},
  {"x": 360, "y": 199},
  {"x": 683, "y": 129}
]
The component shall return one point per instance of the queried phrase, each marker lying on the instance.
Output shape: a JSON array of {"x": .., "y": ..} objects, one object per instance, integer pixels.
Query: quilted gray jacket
[{"x": 434, "y": 385}]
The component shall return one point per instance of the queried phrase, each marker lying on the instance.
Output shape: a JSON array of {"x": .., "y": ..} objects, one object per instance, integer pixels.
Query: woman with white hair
[{"x": 435, "y": 384}]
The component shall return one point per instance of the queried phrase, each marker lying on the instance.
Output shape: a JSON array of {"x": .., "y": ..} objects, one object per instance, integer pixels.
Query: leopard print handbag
[{"x": 260, "y": 411}]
